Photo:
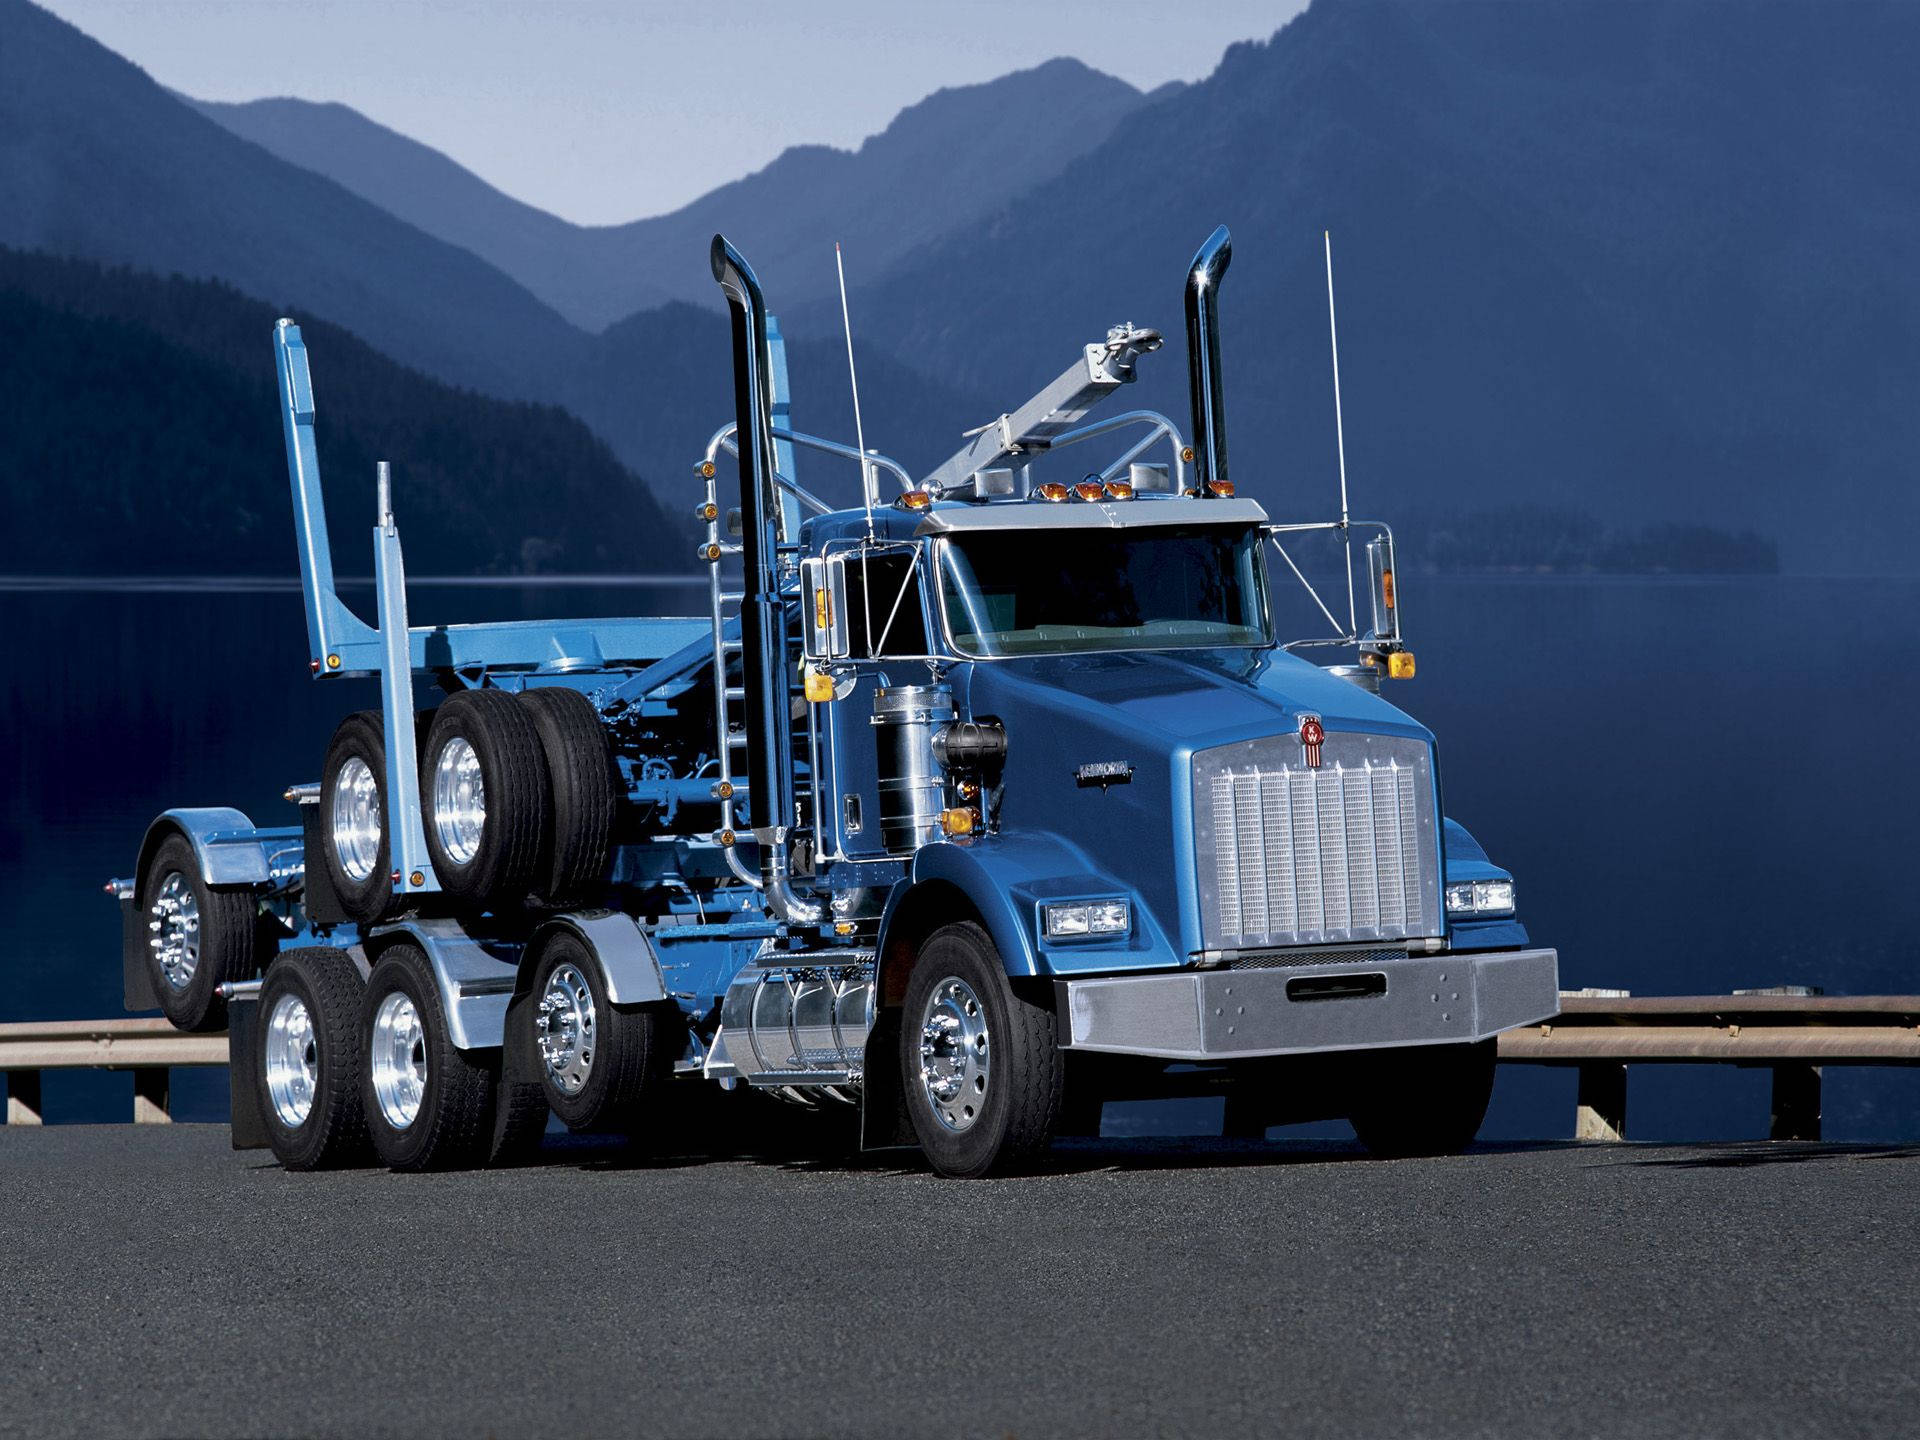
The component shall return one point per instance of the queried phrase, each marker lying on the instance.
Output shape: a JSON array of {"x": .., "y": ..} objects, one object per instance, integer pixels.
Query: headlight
[
  {"x": 1088, "y": 917},
  {"x": 1480, "y": 897}
]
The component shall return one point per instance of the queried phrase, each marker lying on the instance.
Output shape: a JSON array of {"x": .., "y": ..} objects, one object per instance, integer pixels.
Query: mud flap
[
  {"x": 136, "y": 981},
  {"x": 243, "y": 1068},
  {"x": 884, "y": 1122},
  {"x": 519, "y": 1102}
]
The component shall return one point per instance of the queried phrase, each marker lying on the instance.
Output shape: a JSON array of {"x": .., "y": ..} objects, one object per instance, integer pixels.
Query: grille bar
[{"x": 1287, "y": 855}]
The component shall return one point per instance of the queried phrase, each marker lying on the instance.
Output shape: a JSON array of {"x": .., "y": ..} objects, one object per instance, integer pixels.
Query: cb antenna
[
  {"x": 1340, "y": 439},
  {"x": 853, "y": 377}
]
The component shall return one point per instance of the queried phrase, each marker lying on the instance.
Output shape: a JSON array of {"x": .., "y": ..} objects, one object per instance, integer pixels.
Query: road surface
[{"x": 156, "y": 1283}]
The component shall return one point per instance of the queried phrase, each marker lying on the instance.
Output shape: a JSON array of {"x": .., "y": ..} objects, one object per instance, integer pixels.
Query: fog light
[{"x": 1088, "y": 917}]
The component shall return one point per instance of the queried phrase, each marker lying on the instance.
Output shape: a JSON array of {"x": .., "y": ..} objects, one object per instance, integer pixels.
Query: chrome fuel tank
[{"x": 799, "y": 1024}]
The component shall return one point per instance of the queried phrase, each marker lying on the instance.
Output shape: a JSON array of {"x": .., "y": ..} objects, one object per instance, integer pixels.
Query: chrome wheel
[
  {"x": 459, "y": 801},
  {"x": 955, "y": 1056},
  {"x": 564, "y": 1025},
  {"x": 292, "y": 1059},
  {"x": 173, "y": 926},
  {"x": 355, "y": 818},
  {"x": 397, "y": 1052}
]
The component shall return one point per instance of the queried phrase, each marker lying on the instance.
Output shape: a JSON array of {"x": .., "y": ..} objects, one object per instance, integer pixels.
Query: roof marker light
[
  {"x": 915, "y": 500},
  {"x": 1051, "y": 490},
  {"x": 1223, "y": 489},
  {"x": 1090, "y": 490},
  {"x": 1119, "y": 490}
]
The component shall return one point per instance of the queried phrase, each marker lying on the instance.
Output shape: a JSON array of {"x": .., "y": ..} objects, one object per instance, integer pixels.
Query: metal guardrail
[
  {"x": 150, "y": 1048},
  {"x": 1794, "y": 1035}
]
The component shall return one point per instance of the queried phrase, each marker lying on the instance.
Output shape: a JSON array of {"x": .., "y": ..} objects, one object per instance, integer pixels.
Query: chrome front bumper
[{"x": 1226, "y": 1014}]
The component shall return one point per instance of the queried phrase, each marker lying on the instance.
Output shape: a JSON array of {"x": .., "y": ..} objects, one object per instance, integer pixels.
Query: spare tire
[
  {"x": 353, "y": 810},
  {"x": 483, "y": 798},
  {"x": 581, "y": 779}
]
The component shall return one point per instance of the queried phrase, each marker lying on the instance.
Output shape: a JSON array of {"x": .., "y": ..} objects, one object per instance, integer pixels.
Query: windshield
[{"x": 1045, "y": 592}]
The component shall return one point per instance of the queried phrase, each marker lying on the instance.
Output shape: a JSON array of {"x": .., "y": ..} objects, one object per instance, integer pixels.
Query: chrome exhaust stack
[
  {"x": 1203, "y": 360},
  {"x": 763, "y": 626}
]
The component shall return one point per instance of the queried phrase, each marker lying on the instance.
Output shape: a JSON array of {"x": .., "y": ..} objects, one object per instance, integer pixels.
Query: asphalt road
[{"x": 156, "y": 1283}]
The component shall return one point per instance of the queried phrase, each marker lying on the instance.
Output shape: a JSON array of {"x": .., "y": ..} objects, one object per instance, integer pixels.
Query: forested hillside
[{"x": 142, "y": 435}]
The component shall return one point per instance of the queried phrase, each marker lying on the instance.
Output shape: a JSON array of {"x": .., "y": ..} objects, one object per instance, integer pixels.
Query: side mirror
[
  {"x": 823, "y": 601},
  {"x": 1386, "y": 605}
]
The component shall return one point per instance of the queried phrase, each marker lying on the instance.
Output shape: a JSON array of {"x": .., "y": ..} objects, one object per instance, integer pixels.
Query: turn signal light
[
  {"x": 1119, "y": 490},
  {"x": 819, "y": 686},
  {"x": 1400, "y": 665},
  {"x": 1090, "y": 490},
  {"x": 958, "y": 821},
  {"x": 914, "y": 500},
  {"x": 1052, "y": 490},
  {"x": 1220, "y": 489}
]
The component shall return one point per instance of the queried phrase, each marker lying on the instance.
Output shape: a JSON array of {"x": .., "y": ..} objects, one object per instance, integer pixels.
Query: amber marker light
[
  {"x": 1090, "y": 490},
  {"x": 819, "y": 686},
  {"x": 1221, "y": 489},
  {"x": 1051, "y": 490},
  {"x": 1119, "y": 490},
  {"x": 1400, "y": 665},
  {"x": 957, "y": 821},
  {"x": 914, "y": 500}
]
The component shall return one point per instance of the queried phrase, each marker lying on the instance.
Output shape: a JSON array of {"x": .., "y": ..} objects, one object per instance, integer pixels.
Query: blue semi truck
[{"x": 969, "y": 808}]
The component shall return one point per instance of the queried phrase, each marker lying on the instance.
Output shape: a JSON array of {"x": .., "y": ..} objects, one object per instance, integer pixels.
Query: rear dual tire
[
  {"x": 428, "y": 1103},
  {"x": 308, "y": 1057}
]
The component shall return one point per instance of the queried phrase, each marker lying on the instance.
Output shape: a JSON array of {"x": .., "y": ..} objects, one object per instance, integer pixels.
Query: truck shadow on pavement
[{"x": 1748, "y": 1154}]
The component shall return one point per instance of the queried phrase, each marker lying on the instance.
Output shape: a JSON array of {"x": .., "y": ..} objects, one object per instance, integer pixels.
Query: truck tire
[
  {"x": 603, "y": 1067},
  {"x": 1428, "y": 1100},
  {"x": 307, "y": 1060},
  {"x": 483, "y": 797},
  {"x": 353, "y": 811},
  {"x": 198, "y": 937},
  {"x": 580, "y": 777},
  {"x": 429, "y": 1105},
  {"x": 981, "y": 1067}
]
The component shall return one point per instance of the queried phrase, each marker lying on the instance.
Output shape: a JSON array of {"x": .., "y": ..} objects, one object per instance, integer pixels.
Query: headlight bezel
[
  {"x": 1488, "y": 899},
  {"x": 1106, "y": 918}
]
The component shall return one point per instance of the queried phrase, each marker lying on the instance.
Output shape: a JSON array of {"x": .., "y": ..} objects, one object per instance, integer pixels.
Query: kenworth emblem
[
  {"x": 1104, "y": 773},
  {"x": 1312, "y": 736}
]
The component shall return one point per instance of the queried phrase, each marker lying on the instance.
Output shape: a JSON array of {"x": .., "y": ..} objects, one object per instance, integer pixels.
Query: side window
[{"x": 883, "y": 605}]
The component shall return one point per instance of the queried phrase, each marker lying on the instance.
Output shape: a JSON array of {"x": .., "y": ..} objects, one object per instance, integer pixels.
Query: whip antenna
[
  {"x": 853, "y": 377},
  {"x": 1340, "y": 437}
]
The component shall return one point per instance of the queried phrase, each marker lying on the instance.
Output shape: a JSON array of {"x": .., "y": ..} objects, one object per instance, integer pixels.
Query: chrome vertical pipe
[{"x": 1203, "y": 358}]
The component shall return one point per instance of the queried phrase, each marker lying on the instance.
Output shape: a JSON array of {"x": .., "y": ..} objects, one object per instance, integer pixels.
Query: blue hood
[{"x": 1150, "y": 710}]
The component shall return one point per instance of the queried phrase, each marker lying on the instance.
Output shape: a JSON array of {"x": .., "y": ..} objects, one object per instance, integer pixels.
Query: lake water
[{"x": 1699, "y": 784}]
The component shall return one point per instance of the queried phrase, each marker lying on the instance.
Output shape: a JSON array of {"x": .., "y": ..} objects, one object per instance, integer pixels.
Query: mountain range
[
  {"x": 1652, "y": 264},
  {"x": 940, "y": 166}
]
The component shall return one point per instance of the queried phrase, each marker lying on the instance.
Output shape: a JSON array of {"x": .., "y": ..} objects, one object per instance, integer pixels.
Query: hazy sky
[{"x": 604, "y": 111}]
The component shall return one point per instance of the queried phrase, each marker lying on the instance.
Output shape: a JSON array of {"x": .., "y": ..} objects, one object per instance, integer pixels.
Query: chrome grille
[{"x": 1287, "y": 855}]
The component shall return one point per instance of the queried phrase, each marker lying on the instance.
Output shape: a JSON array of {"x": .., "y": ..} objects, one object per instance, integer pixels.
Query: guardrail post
[
  {"x": 1796, "y": 1103},
  {"x": 1601, "y": 1108},
  {"x": 23, "y": 1097},
  {"x": 151, "y": 1087}
]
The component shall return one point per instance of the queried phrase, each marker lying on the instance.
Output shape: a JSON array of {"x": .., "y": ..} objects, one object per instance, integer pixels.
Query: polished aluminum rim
[
  {"x": 955, "y": 1055},
  {"x": 292, "y": 1060},
  {"x": 356, "y": 818},
  {"x": 173, "y": 930},
  {"x": 459, "y": 801},
  {"x": 397, "y": 1052},
  {"x": 565, "y": 1026}
]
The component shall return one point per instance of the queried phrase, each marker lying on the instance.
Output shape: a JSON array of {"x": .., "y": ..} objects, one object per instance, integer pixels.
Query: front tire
[
  {"x": 197, "y": 937},
  {"x": 981, "y": 1067},
  {"x": 602, "y": 1067},
  {"x": 1429, "y": 1100},
  {"x": 307, "y": 1062},
  {"x": 429, "y": 1104}
]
